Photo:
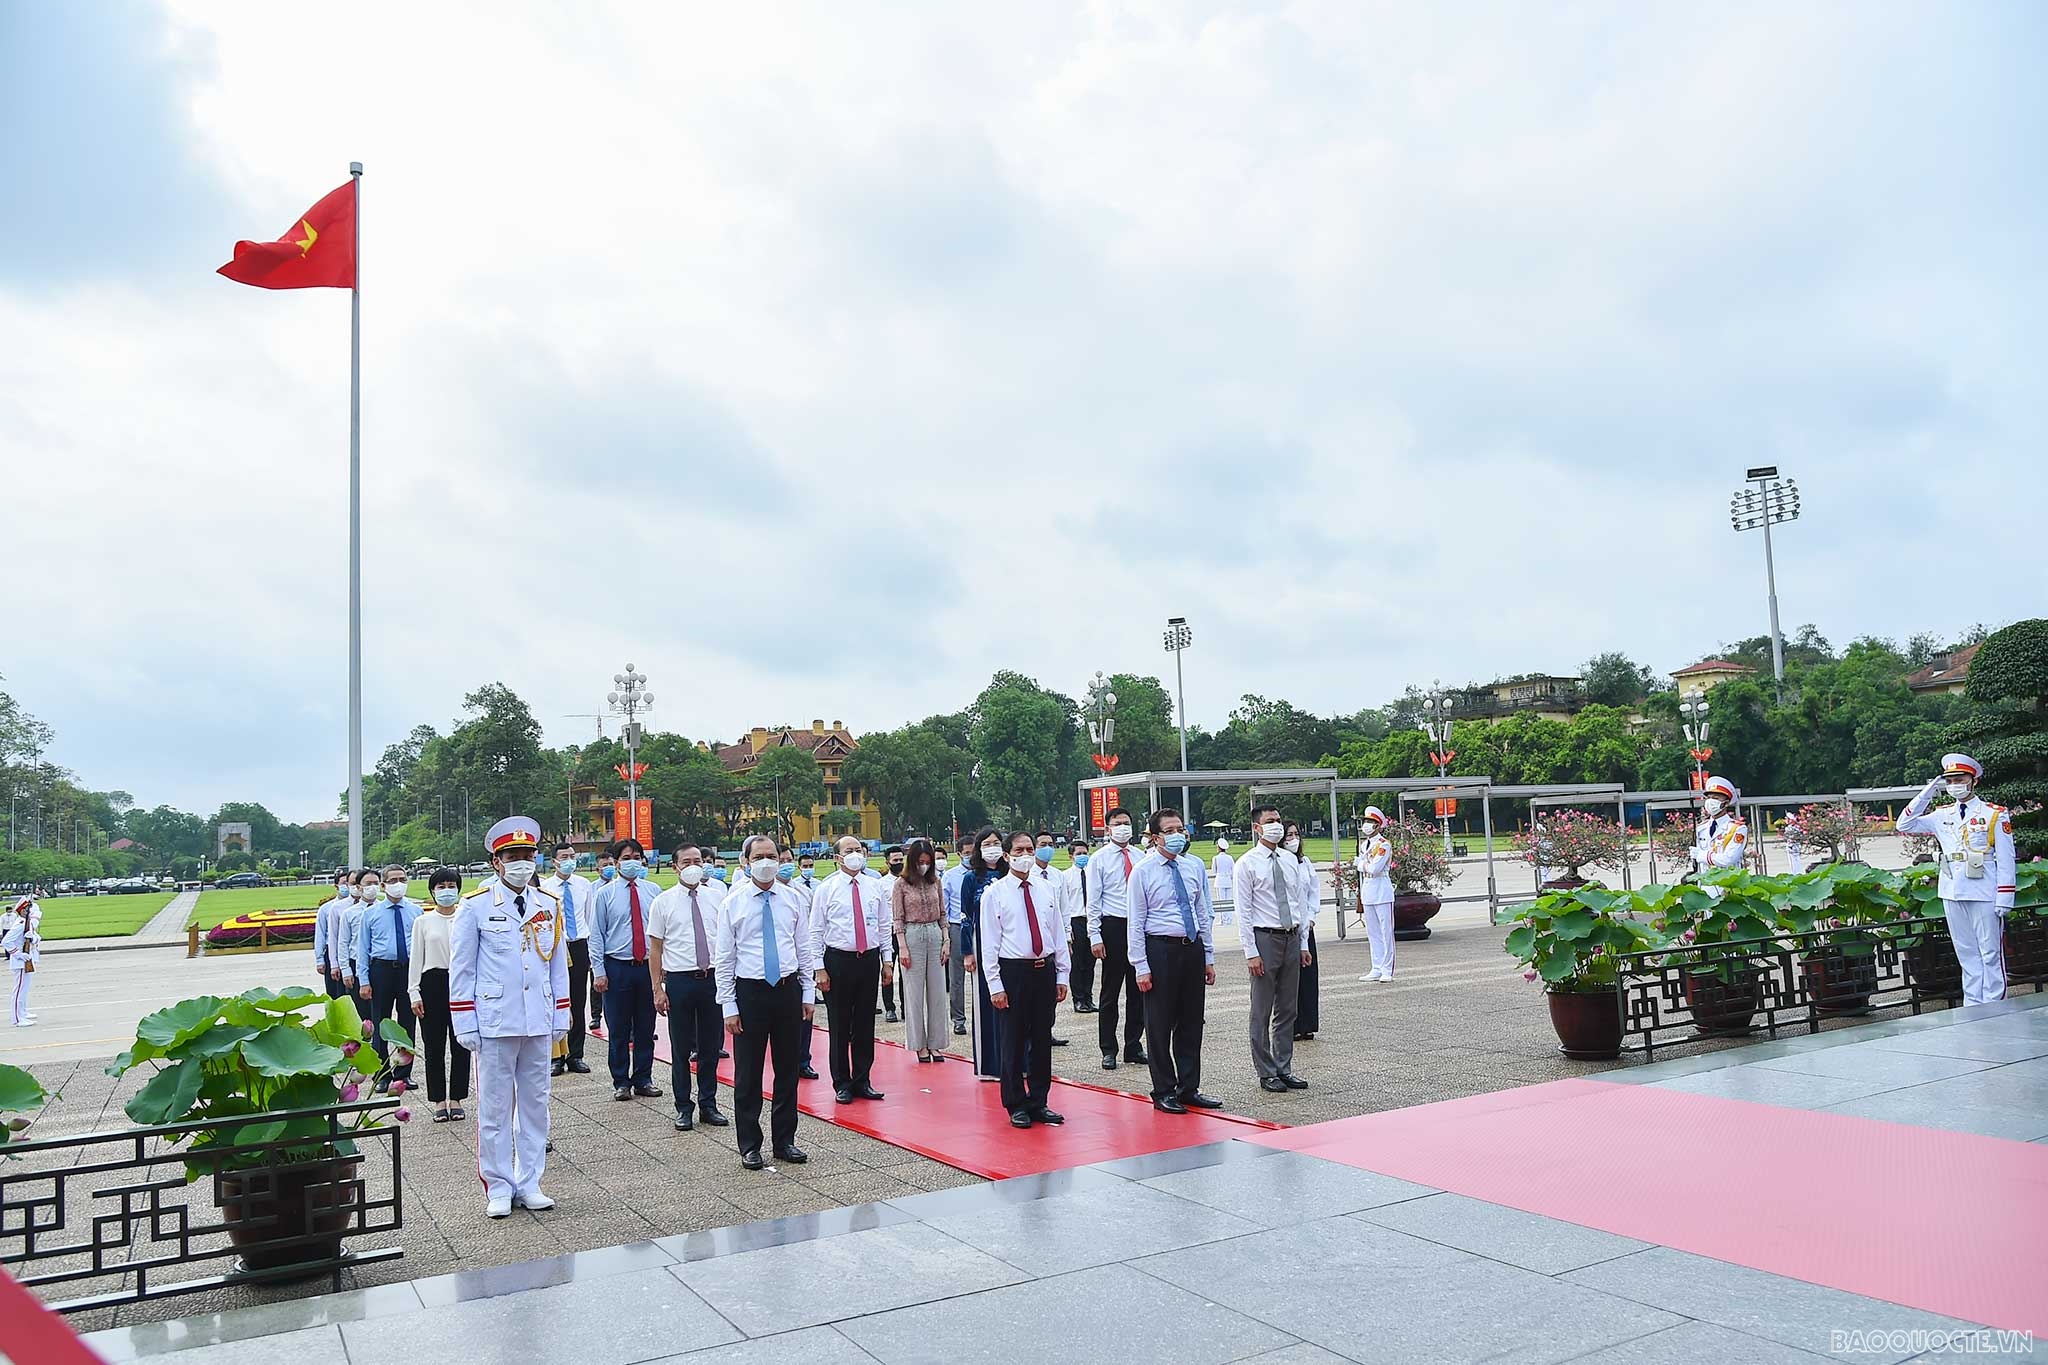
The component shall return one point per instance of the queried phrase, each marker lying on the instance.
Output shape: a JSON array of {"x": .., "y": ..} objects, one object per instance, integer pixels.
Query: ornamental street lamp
[
  {"x": 1772, "y": 500},
  {"x": 1692, "y": 711},
  {"x": 629, "y": 700},
  {"x": 1101, "y": 723},
  {"x": 1436, "y": 723},
  {"x": 1178, "y": 638}
]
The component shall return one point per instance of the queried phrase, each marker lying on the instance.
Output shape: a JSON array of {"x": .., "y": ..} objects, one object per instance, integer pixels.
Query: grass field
[{"x": 99, "y": 916}]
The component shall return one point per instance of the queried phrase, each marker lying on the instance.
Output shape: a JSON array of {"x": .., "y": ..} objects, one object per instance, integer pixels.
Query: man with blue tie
[
  {"x": 679, "y": 935},
  {"x": 764, "y": 968},
  {"x": 1108, "y": 907},
  {"x": 574, "y": 893},
  {"x": 1173, "y": 954},
  {"x": 619, "y": 969},
  {"x": 383, "y": 954}
]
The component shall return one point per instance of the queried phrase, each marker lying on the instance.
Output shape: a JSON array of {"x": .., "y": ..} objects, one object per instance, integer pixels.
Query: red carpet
[
  {"x": 1947, "y": 1222},
  {"x": 941, "y": 1111}
]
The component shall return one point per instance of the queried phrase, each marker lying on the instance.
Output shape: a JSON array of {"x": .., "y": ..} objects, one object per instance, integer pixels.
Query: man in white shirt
[
  {"x": 1023, "y": 942},
  {"x": 764, "y": 969},
  {"x": 330, "y": 937},
  {"x": 853, "y": 943},
  {"x": 892, "y": 989},
  {"x": 1109, "y": 943},
  {"x": 951, "y": 880},
  {"x": 805, "y": 884},
  {"x": 575, "y": 894},
  {"x": 1273, "y": 928},
  {"x": 680, "y": 932},
  {"x": 1073, "y": 894}
]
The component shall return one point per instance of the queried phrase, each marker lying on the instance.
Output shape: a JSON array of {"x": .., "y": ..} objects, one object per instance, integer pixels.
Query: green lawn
[{"x": 99, "y": 916}]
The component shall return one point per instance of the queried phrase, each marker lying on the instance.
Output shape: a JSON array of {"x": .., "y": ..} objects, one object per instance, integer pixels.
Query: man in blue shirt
[
  {"x": 383, "y": 954},
  {"x": 1173, "y": 954},
  {"x": 620, "y": 973},
  {"x": 953, "y": 879}
]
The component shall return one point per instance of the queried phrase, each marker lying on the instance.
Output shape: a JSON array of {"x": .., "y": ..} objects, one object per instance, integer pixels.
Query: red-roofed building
[
  {"x": 1708, "y": 673},
  {"x": 1945, "y": 673}
]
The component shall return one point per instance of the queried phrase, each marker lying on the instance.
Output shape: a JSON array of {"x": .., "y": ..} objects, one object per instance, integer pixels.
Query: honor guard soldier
[
  {"x": 508, "y": 989},
  {"x": 1720, "y": 839},
  {"x": 1375, "y": 862},
  {"x": 1977, "y": 877},
  {"x": 21, "y": 941}
]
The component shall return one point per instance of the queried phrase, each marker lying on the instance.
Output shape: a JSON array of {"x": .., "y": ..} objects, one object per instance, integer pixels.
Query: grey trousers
[
  {"x": 924, "y": 988},
  {"x": 1276, "y": 997}
]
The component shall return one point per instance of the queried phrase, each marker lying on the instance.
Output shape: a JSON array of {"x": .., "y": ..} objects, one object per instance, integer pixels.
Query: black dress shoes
[
  {"x": 683, "y": 1122},
  {"x": 1169, "y": 1105},
  {"x": 1273, "y": 1085},
  {"x": 1109, "y": 1061},
  {"x": 1138, "y": 1058},
  {"x": 1020, "y": 1119},
  {"x": 791, "y": 1153},
  {"x": 752, "y": 1160},
  {"x": 867, "y": 1092},
  {"x": 709, "y": 1114},
  {"x": 579, "y": 1066},
  {"x": 557, "y": 1067},
  {"x": 1045, "y": 1115},
  {"x": 808, "y": 1072},
  {"x": 1059, "y": 1042},
  {"x": 844, "y": 1094},
  {"x": 1085, "y": 1007},
  {"x": 622, "y": 1092},
  {"x": 647, "y": 1092},
  {"x": 1292, "y": 1081},
  {"x": 1200, "y": 1101},
  {"x": 891, "y": 1018}
]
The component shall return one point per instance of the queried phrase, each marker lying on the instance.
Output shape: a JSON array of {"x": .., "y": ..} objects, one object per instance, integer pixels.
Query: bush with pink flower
[{"x": 1567, "y": 840}]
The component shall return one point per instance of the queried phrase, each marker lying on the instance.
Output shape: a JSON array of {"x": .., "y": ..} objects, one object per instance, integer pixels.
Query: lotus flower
[
  {"x": 401, "y": 1057},
  {"x": 350, "y": 1049},
  {"x": 402, "y": 1114},
  {"x": 1687, "y": 937},
  {"x": 399, "y": 1087},
  {"x": 369, "y": 1029},
  {"x": 1529, "y": 975},
  {"x": 16, "y": 1124},
  {"x": 349, "y": 1092}
]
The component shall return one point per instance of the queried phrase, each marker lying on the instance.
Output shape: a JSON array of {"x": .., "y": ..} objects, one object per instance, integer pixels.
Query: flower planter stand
[
  {"x": 1839, "y": 982},
  {"x": 1588, "y": 1023},
  {"x": 1412, "y": 912},
  {"x": 284, "y": 1216},
  {"x": 1724, "y": 1003}
]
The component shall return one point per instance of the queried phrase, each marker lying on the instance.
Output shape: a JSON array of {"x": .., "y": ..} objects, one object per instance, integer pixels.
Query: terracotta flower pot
[
  {"x": 1588, "y": 1023},
  {"x": 281, "y": 1216},
  {"x": 1724, "y": 1001},
  {"x": 1839, "y": 982},
  {"x": 1412, "y": 912},
  {"x": 1570, "y": 881}
]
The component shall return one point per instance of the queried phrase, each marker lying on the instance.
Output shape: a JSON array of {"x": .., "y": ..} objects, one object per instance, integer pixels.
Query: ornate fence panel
[
  {"x": 103, "y": 1206},
  {"x": 1763, "y": 985}
]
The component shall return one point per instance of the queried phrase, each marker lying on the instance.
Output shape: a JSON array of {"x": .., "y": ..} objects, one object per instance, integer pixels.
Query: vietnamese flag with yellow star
[{"x": 316, "y": 252}]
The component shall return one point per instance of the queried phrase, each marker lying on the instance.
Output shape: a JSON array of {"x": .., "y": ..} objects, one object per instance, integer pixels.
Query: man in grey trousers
[{"x": 1273, "y": 926}]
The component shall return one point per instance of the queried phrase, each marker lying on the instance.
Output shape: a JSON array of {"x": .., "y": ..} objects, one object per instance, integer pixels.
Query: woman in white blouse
[{"x": 447, "y": 1082}]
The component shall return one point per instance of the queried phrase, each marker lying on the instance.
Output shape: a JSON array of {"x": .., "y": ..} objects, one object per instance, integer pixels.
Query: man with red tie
[
  {"x": 1024, "y": 955},
  {"x": 620, "y": 974},
  {"x": 853, "y": 945}
]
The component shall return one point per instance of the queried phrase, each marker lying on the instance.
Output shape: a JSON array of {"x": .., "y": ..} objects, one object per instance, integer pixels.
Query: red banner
[
  {"x": 628, "y": 823},
  {"x": 639, "y": 771},
  {"x": 1446, "y": 809},
  {"x": 1106, "y": 762},
  {"x": 1101, "y": 801}
]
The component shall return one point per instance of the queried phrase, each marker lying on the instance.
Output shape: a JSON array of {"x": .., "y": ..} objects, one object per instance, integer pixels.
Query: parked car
[{"x": 240, "y": 880}]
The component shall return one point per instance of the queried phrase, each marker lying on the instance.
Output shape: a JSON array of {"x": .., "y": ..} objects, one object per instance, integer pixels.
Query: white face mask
[
  {"x": 395, "y": 890},
  {"x": 1120, "y": 834},
  {"x": 764, "y": 870},
  {"x": 855, "y": 863},
  {"x": 691, "y": 875},
  {"x": 1271, "y": 831},
  {"x": 1715, "y": 805},
  {"x": 1959, "y": 790},
  {"x": 1368, "y": 834},
  {"x": 447, "y": 895},
  {"x": 516, "y": 875},
  {"x": 366, "y": 893},
  {"x": 1292, "y": 845},
  {"x": 939, "y": 863},
  {"x": 1022, "y": 862},
  {"x": 992, "y": 854}
]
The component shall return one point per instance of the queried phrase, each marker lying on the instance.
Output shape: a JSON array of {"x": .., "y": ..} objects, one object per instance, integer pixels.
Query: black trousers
[
  {"x": 695, "y": 1024},
  {"x": 770, "y": 1019},
  {"x": 335, "y": 986},
  {"x": 1030, "y": 984},
  {"x": 389, "y": 994},
  {"x": 629, "y": 1021},
  {"x": 1119, "y": 984},
  {"x": 449, "y": 1079},
  {"x": 1173, "y": 1015},
  {"x": 1308, "y": 1018},
  {"x": 579, "y": 993},
  {"x": 1081, "y": 980},
  {"x": 850, "y": 1015}
]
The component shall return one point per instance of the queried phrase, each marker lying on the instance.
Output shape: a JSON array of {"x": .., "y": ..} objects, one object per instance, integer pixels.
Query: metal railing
[{"x": 283, "y": 1220}]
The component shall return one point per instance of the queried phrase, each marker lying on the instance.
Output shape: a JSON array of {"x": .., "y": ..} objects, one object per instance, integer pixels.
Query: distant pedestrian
[
  {"x": 1222, "y": 871},
  {"x": 21, "y": 941},
  {"x": 1072, "y": 889},
  {"x": 892, "y": 990},
  {"x": 427, "y": 984},
  {"x": 917, "y": 906}
]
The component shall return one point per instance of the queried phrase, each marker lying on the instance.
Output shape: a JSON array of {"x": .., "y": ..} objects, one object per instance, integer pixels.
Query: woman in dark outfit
[{"x": 983, "y": 867}]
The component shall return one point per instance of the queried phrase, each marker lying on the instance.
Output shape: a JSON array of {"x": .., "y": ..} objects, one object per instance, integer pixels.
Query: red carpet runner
[
  {"x": 940, "y": 1111},
  {"x": 1947, "y": 1222}
]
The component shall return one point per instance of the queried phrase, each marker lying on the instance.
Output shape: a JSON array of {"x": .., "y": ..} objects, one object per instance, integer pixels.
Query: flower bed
[{"x": 263, "y": 928}]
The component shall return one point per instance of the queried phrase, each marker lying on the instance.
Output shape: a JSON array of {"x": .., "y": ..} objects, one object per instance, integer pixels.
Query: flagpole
[{"x": 355, "y": 535}]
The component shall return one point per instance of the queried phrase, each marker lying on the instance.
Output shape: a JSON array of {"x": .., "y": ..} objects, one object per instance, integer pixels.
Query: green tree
[
  {"x": 2007, "y": 727},
  {"x": 1146, "y": 738},
  {"x": 1022, "y": 735},
  {"x": 790, "y": 776},
  {"x": 1614, "y": 679},
  {"x": 917, "y": 776}
]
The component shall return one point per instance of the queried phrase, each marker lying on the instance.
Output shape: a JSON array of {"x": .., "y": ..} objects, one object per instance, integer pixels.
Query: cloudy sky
[{"x": 822, "y": 359}]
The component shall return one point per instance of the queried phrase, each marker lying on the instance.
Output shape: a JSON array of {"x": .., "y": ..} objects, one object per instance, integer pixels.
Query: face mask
[
  {"x": 1271, "y": 831},
  {"x": 395, "y": 890},
  {"x": 992, "y": 855},
  {"x": 717, "y": 874},
  {"x": 940, "y": 863},
  {"x": 1715, "y": 805},
  {"x": 1292, "y": 845},
  {"x": 1044, "y": 855},
  {"x": 606, "y": 873},
  {"x": 366, "y": 893},
  {"x": 1369, "y": 833},
  {"x": 1120, "y": 834},
  {"x": 895, "y": 869},
  {"x": 631, "y": 868},
  {"x": 1080, "y": 860},
  {"x": 765, "y": 870},
  {"x": 691, "y": 875},
  {"x": 806, "y": 872},
  {"x": 855, "y": 863},
  {"x": 1959, "y": 790},
  {"x": 516, "y": 875},
  {"x": 1022, "y": 862},
  {"x": 785, "y": 871},
  {"x": 447, "y": 895},
  {"x": 1176, "y": 843}
]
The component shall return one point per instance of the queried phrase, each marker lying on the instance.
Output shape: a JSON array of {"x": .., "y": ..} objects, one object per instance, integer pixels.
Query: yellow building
[
  {"x": 1945, "y": 673},
  {"x": 1707, "y": 675},
  {"x": 830, "y": 745}
]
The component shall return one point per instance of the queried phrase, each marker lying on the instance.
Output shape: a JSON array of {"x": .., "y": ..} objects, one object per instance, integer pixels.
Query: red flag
[{"x": 317, "y": 252}]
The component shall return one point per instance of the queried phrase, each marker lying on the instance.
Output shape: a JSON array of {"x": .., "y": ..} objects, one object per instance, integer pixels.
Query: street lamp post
[
  {"x": 1436, "y": 723},
  {"x": 1693, "y": 720},
  {"x": 1102, "y": 729},
  {"x": 631, "y": 698},
  {"x": 1772, "y": 500},
  {"x": 1178, "y": 638}
]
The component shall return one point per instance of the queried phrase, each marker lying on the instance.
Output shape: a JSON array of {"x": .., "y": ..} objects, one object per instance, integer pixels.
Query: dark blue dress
[{"x": 988, "y": 1038}]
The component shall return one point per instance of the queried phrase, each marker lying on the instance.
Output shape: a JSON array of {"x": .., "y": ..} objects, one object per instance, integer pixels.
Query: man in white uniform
[
  {"x": 1376, "y": 891},
  {"x": 1721, "y": 839},
  {"x": 21, "y": 940},
  {"x": 508, "y": 995},
  {"x": 1978, "y": 881},
  {"x": 1223, "y": 870}
]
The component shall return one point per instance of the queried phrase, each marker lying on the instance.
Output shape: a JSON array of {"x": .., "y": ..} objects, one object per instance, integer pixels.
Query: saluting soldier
[
  {"x": 508, "y": 989},
  {"x": 1721, "y": 839},
  {"x": 1978, "y": 882}
]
